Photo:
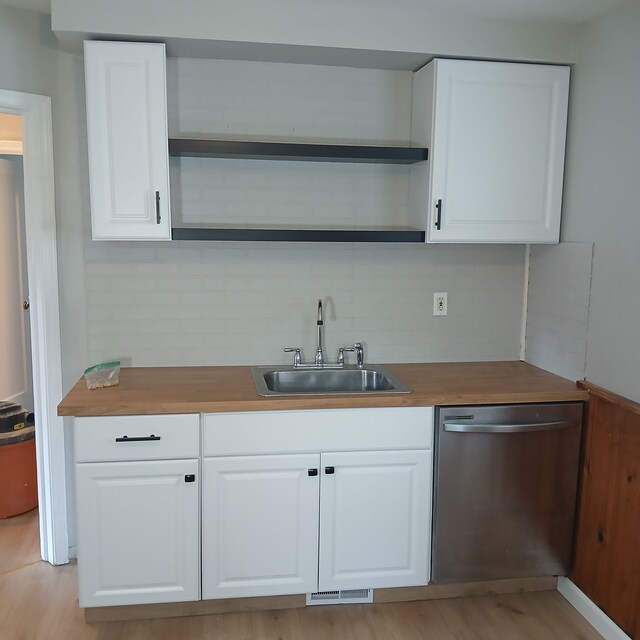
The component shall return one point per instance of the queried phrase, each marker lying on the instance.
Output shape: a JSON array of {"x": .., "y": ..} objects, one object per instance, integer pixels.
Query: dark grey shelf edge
[
  {"x": 194, "y": 147},
  {"x": 299, "y": 235}
]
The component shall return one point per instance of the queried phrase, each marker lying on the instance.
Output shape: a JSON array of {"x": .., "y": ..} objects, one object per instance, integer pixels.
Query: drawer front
[
  {"x": 111, "y": 438},
  {"x": 319, "y": 430}
]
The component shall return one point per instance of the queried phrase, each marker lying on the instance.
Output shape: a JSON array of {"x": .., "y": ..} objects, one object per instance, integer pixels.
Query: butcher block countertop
[{"x": 162, "y": 390}]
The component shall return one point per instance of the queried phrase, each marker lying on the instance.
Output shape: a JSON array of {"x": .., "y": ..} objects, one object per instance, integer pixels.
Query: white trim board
[
  {"x": 525, "y": 301},
  {"x": 42, "y": 274},
  {"x": 11, "y": 147},
  {"x": 597, "y": 618}
]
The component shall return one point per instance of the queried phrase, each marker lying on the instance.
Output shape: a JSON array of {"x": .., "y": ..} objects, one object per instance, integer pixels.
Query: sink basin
[{"x": 286, "y": 381}]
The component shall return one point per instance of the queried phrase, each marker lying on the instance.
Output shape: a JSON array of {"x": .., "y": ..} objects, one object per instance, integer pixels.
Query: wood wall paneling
[{"x": 607, "y": 547}]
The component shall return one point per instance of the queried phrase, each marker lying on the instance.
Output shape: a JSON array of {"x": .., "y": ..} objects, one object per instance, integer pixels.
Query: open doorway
[
  {"x": 43, "y": 302},
  {"x": 15, "y": 338},
  {"x": 18, "y": 497}
]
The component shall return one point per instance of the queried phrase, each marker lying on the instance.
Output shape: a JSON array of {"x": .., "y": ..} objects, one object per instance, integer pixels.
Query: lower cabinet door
[
  {"x": 375, "y": 511},
  {"x": 260, "y": 525},
  {"x": 138, "y": 533}
]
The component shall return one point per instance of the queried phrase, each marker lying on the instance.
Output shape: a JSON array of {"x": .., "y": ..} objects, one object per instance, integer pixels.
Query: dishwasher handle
[{"x": 457, "y": 427}]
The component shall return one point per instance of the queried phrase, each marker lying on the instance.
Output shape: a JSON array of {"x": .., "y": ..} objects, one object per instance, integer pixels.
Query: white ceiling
[
  {"x": 558, "y": 11},
  {"x": 43, "y": 6},
  {"x": 561, "y": 11}
]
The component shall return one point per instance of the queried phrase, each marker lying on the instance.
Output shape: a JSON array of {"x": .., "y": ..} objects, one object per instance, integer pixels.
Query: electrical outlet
[{"x": 439, "y": 304}]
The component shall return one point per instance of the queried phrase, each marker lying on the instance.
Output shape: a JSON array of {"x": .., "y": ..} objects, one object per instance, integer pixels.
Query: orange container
[{"x": 18, "y": 483}]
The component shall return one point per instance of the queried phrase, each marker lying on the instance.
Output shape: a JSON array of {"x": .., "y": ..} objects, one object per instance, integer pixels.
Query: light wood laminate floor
[{"x": 39, "y": 602}]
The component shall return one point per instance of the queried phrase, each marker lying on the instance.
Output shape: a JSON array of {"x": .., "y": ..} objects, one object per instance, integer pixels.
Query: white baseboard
[{"x": 597, "y": 618}]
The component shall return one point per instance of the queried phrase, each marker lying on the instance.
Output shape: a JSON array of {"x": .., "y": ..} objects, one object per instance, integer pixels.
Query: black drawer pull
[
  {"x": 312, "y": 472},
  {"x": 329, "y": 470},
  {"x": 137, "y": 439},
  {"x": 157, "y": 207},
  {"x": 190, "y": 478}
]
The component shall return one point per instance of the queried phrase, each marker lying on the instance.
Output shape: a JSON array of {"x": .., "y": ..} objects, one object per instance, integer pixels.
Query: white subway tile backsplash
[
  {"x": 293, "y": 102},
  {"x": 558, "y": 308},
  {"x": 265, "y": 299}
]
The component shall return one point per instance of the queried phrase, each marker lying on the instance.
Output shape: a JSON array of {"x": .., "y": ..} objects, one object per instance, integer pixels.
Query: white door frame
[{"x": 42, "y": 273}]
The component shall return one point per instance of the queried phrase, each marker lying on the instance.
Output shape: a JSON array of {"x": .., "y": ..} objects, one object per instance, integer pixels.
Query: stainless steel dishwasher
[{"x": 505, "y": 491}]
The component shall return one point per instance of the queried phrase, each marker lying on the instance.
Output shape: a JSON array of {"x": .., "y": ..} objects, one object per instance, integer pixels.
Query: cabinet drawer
[
  {"x": 110, "y": 438},
  {"x": 313, "y": 431}
]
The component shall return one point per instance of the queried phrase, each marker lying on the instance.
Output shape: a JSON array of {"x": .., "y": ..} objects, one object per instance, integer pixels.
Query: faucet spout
[{"x": 319, "y": 325}]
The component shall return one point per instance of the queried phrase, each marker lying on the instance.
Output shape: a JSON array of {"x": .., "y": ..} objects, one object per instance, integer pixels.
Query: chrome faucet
[
  {"x": 319, "y": 325},
  {"x": 319, "y": 362}
]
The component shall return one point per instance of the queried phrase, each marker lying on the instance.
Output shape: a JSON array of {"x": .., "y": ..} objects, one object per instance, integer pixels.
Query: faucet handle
[
  {"x": 341, "y": 351},
  {"x": 359, "y": 349},
  {"x": 297, "y": 358}
]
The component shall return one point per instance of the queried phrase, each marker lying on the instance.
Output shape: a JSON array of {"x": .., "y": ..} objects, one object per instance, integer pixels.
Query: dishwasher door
[{"x": 505, "y": 491}]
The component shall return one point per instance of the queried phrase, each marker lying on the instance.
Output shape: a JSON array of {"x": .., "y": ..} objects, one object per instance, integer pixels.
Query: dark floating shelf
[
  {"x": 201, "y": 148},
  {"x": 299, "y": 235}
]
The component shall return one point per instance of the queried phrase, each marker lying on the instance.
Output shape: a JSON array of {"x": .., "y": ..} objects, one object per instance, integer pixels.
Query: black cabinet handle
[
  {"x": 312, "y": 472},
  {"x": 439, "y": 216},
  {"x": 138, "y": 439},
  {"x": 329, "y": 470},
  {"x": 190, "y": 478},
  {"x": 157, "y": 207}
]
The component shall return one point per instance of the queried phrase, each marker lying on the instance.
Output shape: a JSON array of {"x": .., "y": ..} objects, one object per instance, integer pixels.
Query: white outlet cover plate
[{"x": 440, "y": 304}]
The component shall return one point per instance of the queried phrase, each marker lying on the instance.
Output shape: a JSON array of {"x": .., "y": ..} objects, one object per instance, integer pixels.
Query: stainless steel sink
[{"x": 287, "y": 380}]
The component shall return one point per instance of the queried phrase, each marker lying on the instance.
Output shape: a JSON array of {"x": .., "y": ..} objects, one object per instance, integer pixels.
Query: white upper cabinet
[
  {"x": 496, "y": 136},
  {"x": 128, "y": 140}
]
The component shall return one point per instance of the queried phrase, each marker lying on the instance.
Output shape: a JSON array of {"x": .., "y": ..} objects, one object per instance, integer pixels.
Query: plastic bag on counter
[{"x": 105, "y": 374}]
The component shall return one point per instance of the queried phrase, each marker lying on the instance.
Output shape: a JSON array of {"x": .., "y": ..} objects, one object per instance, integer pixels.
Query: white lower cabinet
[
  {"x": 276, "y": 525},
  {"x": 137, "y": 520},
  {"x": 289, "y": 502},
  {"x": 320, "y": 521}
]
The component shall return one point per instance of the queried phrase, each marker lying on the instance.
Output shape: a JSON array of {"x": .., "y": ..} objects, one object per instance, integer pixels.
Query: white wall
[
  {"x": 28, "y": 52},
  {"x": 602, "y": 192},
  {"x": 241, "y": 303}
]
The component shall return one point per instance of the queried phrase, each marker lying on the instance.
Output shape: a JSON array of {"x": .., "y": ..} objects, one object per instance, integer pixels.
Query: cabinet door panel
[
  {"x": 127, "y": 137},
  {"x": 375, "y": 513},
  {"x": 138, "y": 539},
  {"x": 260, "y": 525}
]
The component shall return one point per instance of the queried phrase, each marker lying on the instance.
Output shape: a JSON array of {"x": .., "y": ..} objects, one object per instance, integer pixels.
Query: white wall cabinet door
[
  {"x": 128, "y": 141},
  {"x": 496, "y": 133},
  {"x": 375, "y": 513},
  {"x": 138, "y": 533},
  {"x": 260, "y": 525}
]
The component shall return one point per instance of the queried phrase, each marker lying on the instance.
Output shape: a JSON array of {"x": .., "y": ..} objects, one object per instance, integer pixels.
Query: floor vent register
[{"x": 348, "y": 596}]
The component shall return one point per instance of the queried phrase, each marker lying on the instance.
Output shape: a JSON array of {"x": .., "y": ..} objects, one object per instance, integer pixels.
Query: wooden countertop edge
[{"x": 314, "y": 402}]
